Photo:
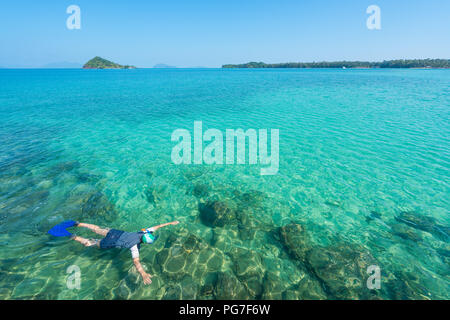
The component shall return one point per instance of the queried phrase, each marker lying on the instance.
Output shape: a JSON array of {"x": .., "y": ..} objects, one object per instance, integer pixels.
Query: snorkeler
[{"x": 113, "y": 238}]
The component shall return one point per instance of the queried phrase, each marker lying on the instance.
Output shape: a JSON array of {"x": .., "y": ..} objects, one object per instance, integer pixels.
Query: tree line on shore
[{"x": 414, "y": 63}]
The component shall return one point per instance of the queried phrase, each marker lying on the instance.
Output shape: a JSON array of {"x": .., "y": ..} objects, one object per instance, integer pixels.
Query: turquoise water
[{"x": 363, "y": 180}]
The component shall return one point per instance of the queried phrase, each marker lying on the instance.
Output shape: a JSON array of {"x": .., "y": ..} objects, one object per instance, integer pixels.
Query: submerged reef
[
  {"x": 337, "y": 272},
  {"x": 97, "y": 205},
  {"x": 424, "y": 223},
  {"x": 340, "y": 269},
  {"x": 227, "y": 248},
  {"x": 406, "y": 232},
  {"x": 217, "y": 213},
  {"x": 154, "y": 194},
  {"x": 295, "y": 240}
]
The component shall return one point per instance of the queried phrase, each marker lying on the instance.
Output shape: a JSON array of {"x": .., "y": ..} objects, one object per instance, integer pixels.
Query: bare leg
[
  {"x": 87, "y": 242},
  {"x": 94, "y": 228}
]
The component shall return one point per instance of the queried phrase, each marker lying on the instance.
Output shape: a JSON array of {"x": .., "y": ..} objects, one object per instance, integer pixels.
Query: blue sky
[{"x": 190, "y": 33}]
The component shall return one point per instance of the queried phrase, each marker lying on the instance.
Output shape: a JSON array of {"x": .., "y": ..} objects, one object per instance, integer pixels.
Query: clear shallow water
[{"x": 363, "y": 179}]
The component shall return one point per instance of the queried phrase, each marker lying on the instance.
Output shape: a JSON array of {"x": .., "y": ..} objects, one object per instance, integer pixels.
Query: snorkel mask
[{"x": 148, "y": 238}]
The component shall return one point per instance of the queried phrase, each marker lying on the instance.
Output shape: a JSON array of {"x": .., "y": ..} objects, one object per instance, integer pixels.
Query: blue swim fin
[{"x": 60, "y": 229}]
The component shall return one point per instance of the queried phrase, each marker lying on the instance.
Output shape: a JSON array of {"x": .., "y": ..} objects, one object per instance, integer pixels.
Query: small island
[
  {"x": 100, "y": 63},
  {"x": 404, "y": 64}
]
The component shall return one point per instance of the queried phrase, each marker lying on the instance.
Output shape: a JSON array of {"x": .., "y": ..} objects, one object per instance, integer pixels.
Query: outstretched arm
[
  {"x": 165, "y": 224},
  {"x": 145, "y": 276}
]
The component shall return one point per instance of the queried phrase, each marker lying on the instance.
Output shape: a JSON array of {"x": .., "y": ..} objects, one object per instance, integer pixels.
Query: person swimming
[{"x": 114, "y": 238}]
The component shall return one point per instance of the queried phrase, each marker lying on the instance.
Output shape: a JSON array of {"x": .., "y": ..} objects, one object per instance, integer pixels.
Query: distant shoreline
[
  {"x": 222, "y": 68},
  {"x": 387, "y": 64}
]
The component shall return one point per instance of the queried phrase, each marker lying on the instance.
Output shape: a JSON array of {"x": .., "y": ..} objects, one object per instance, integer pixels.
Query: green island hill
[
  {"x": 100, "y": 63},
  {"x": 405, "y": 64}
]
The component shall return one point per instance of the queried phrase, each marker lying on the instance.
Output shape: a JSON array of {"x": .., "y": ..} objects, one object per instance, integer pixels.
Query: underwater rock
[
  {"x": 246, "y": 232},
  {"x": 14, "y": 190},
  {"x": 132, "y": 279},
  {"x": 215, "y": 260},
  {"x": 416, "y": 220},
  {"x": 310, "y": 289},
  {"x": 33, "y": 198},
  {"x": 307, "y": 288},
  {"x": 206, "y": 291},
  {"x": 209, "y": 284},
  {"x": 185, "y": 290},
  {"x": 406, "y": 232},
  {"x": 342, "y": 270},
  {"x": 252, "y": 198},
  {"x": 29, "y": 199},
  {"x": 12, "y": 170},
  {"x": 247, "y": 263},
  {"x": 173, "y": 292},
  {"x": 247, "y": 226},
  {"x": 72, "y": 206},
  {"x": 272, "y": 287},
  {"x": 402, "y": 285},
  {"x": 84, "y": 177},
  {"x": 155, "y": 290},
  {"x": 10, "y": 280},
  {"x": 5, "y": 293},
  {"x": 248, "y": 268},
  {"x": 224, "y": 239},
  {"x": 96, "y": 205},
  {"x": 189, "y": 289},
  {"x": 254, "y": 287},
  {"x": 102, "y": 293},
  {"x": 295, "y": 240},
  {"x": 375, "y": 214},
  {"x": 149, "y": 196},
  {"x": 178, "y": 258},
  {"x": 243, "y": 218},
  {"x": 200, "y": 191},
  {"x": 45, "y": 184},
  {"x": 46, "y": 295},
  {"x": 122, "y": 292},
  {"x": 228, "y": 287},
  {"x": 67, "y": 166},
  {"x": 172, "y": 262},
  {"x": 216, "y": 213},
  {"x": 154, "y": 194},
  {"x": 188, "y": 241},
  {"x": 38, "y": 196},
  {"x": 193, "y": 174},
  {"x": 421, "y": 222},
  {"x": 63, "y": 167}
]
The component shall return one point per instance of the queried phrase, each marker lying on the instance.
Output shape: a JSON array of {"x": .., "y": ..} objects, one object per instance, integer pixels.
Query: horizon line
[{"x": 226, "y": 64}]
